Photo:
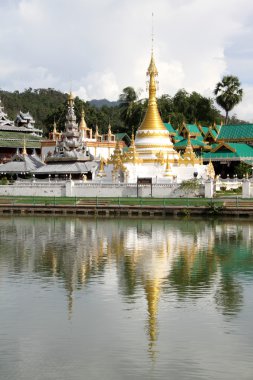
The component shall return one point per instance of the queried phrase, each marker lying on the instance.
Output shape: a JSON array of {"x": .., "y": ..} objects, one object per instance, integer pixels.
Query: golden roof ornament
[
  {"x": 132, "y": 155},
  {"x": 101, "y": 172},
  {"x": 24, "y": 151},
  {"x": 189, "y": 156},
  {"x": 82, "y": 125},
  {"x": 210, "y": 170},
  {"x": 54, "y": 130},
  {"x": 168, "y": 171},
  {"x": 71, "y": 99}
]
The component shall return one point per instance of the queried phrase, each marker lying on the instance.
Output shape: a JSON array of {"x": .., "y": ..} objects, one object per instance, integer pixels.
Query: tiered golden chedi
[{"x": 152, "y": 140}]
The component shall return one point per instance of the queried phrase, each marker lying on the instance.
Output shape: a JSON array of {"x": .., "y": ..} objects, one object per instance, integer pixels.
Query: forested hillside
[{"x": 47, "y": 105}]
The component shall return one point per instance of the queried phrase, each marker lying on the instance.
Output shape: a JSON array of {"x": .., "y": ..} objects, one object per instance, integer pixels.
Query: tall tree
[
  {"x": 228, "y": 93},
  {"x": 131, "y": 109}
]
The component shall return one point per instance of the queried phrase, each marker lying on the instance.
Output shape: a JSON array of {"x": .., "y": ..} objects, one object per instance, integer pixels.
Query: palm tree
[
  {"x": 131, "y": 109},
  {"x": 228, "y": 93}
]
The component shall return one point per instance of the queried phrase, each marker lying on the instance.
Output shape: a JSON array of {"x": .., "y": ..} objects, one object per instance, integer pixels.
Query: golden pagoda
[{"x": 152, "y": 137}]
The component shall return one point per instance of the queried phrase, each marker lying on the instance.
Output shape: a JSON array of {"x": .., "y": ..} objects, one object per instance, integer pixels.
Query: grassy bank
[{"x": 97, "y": 201}]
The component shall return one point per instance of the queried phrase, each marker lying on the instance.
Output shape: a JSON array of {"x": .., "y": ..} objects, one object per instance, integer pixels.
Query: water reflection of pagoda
[{"x": 156, "y": 259}]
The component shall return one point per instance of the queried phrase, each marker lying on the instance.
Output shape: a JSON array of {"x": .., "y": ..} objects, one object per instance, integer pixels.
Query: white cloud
[{"x": 102, "y": 47}]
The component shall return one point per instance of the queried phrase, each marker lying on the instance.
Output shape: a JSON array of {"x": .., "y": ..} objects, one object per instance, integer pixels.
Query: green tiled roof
[
  {"x": 170, "y": 129},
  {"x": 241, "y": 151},
  {"x": 121, "y": 136},
  {"x": 217, "y": 127},
  {"x": 193, "y": 129},
  {"x": 178, "y": 137},
  {"x": 236, "y": 132},
  {"x": 16, "y": 140},
  {"x": 194, "y": 142},
  {"x": 18, "y": 136},
  {"x": 211, "y": 132},
  {"x": 18, "y": 144},
  {"x": 205, "y": 130},
  {"x": 200, "y": 138}
]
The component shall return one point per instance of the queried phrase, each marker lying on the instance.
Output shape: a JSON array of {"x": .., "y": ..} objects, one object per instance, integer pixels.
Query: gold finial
[
  {"x": 101, "y": 172},
  {"x": 189, "y": 139},
  {"x": 82, "y": 125},
  {"x": 210, "y": 170},
  {"x": 132, "y": 138},
  {"x": 152, "y": 46},
  {"x": 24, "y": 152},
  {"x": 54, "y": 130},
  {"x": 71, "y": 99},
  {"x": 168, "y": 171}
]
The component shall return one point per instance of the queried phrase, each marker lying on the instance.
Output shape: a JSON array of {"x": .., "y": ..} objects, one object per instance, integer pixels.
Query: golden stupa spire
[{"x": 152, "y": 119}]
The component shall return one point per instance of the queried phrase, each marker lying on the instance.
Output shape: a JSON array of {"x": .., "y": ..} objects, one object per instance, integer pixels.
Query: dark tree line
[{"x": 49, "y": 105}]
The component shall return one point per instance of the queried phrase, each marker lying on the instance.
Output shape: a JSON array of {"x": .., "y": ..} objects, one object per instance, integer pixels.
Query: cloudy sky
[{"x": 98, "y": 47}]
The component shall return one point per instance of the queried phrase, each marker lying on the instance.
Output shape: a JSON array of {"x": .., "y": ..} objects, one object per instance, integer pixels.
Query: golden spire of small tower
[
  {"x": 210, "y": 170},
  {"x": 82, "y": 125},
  {"x": 101, "y": 172},
  {"x": 54, "y": 130},
  {"x": 168, "y": 172},
  {"x": 132, "y": 155},
  {"x": 24, "y": 151},
  {"x": 71, "y": 99}
]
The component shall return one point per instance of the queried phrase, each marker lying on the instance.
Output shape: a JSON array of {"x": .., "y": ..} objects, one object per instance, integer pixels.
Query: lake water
[{"x": 125, "y": 299}]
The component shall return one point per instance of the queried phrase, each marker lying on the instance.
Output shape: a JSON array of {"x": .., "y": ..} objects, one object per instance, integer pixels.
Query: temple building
[
  {"x": 21, "y": 165},
  {"x": 71, "y": 157},
  {"x": 152, "y": 154},
  {"x": 12, "y": 135},
  {"x": 99, "y": 145}
]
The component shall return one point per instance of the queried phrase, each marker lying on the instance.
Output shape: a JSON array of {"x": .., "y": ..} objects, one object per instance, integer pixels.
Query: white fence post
[
  {"x": 209, "y": 189},
  {"x": 246, "y": 188}
]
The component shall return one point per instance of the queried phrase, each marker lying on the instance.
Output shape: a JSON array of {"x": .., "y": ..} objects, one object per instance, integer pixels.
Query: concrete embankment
[{"x": 229, "y": 209}]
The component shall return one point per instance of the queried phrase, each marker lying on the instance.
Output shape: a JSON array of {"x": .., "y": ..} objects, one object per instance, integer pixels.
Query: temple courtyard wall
[
  {"x": 86, "y": 189},
  {"x": 72, "y": 188}
]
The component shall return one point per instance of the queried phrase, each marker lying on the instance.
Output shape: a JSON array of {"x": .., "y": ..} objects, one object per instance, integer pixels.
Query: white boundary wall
[{"x": 86, "y": 189}]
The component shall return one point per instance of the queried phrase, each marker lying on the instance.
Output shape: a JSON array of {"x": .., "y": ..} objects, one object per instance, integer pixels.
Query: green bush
[{"x": 4, "y": 181}]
